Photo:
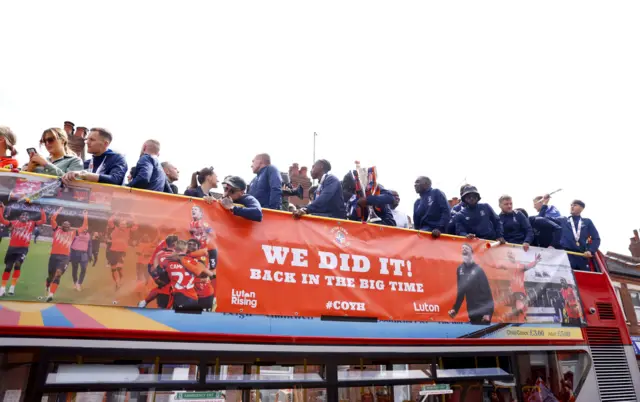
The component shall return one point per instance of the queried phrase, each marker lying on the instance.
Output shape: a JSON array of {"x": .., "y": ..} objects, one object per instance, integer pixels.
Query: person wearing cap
[
  {"x": 149, "y": 174},
  {"x": 234, "y": 193},
  {"x": 579, "y": 235},
  {"x": 329, "y": 200},
  {"x": 477, "y": 219},
  {"x": 516, "y": 226},
  {"x": 541, "y": 204},
  {"x": 431, "y": 211},
  {"x": 77, "y": 141},
  {"x": 7, "y": 143},
  {"x": 69, "y": 128},
  {"x": 105, "y": 166},
  {"x": 266, "y": 187}
]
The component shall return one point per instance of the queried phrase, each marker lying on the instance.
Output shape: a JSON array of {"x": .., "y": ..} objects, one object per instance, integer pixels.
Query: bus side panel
[{"x": 595, "y": 289}]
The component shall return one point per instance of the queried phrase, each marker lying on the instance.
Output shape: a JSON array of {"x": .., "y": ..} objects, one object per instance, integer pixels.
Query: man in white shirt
[{"x": 402, "y": 219}]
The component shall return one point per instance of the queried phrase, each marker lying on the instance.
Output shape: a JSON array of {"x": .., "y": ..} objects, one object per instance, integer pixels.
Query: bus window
[
  {"x": 14, "y": 374},
  {"x": 289, "y": 395},
  {"x": 557, "y": 374}
]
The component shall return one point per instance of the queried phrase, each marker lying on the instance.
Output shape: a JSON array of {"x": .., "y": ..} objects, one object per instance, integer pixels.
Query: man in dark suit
[{"x": 329, "y": 201}]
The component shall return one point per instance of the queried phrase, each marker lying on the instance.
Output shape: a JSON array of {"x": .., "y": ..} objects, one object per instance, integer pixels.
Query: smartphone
[{"x": 31, "y": 152}]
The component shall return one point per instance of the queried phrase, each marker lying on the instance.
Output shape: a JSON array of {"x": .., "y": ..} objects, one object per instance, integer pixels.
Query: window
[
  {"x": 14, "y": 374},
  {"x": 635, "y": 300},
  {"x": 618, "y": 287},
  {"x": 557, "y": 374}
]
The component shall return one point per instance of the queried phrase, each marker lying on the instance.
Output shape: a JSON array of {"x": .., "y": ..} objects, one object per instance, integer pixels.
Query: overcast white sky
[{"x": 519, "y": 98}]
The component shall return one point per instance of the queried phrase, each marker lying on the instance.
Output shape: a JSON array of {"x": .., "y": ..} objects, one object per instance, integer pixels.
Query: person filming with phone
[{"x": 61, "y": 159}]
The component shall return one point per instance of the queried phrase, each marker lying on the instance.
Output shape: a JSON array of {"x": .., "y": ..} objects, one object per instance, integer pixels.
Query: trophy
[{"x": 367, "y": 184}]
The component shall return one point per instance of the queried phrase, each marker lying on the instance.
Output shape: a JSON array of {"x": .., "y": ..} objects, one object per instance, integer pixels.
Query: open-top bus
[{"x": 95, "y": 344}]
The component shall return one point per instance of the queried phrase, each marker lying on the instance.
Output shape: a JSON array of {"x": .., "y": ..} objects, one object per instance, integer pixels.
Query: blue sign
[{"x": 635, "y": 340}]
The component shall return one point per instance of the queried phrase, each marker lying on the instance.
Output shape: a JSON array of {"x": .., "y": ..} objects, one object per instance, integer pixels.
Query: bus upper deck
[{"x": 311, "y": 309}]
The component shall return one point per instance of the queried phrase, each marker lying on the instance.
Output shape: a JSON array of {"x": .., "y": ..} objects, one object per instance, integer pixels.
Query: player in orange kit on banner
[
  {"x": 182, "y": 277},
  {"x": 120, "y": 236},
  {"x": 570, "y": 303},
  {"x": 203, "y": 233},
  {"x": 162, "y": 291},
  {"x": 204, "y": 285},
  {"x": 60, "y": 250},
  {"x": 144, "y": 251},
  {"x": 518, "y": 291},
  {"x": 21, "y": 231}
]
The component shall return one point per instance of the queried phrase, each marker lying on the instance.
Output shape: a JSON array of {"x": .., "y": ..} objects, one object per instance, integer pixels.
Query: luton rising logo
[{"x": 340, "y": 236}]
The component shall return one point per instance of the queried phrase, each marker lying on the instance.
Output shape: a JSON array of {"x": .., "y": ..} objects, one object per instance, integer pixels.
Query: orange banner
[{"x": 311, "y": 267}]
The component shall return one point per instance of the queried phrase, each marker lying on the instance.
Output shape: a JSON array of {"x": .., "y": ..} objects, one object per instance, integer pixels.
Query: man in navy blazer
[
  {"x": 579, "y": 235},
  {"x": 105, "y": 166},
  {"x": 329, "y": 201}
]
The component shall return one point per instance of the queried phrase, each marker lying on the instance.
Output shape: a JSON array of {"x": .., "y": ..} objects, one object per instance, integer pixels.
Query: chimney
[{"x": 634, "y": 247}]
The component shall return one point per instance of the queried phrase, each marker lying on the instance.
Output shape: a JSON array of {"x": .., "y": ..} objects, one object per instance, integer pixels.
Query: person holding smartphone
[{"x": 61, "y": 159}]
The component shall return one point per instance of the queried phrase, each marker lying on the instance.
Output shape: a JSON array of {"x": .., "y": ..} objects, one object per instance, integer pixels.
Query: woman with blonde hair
[
  {"x": 61, "y": 159},
  {"x": 7, "y": 143}
]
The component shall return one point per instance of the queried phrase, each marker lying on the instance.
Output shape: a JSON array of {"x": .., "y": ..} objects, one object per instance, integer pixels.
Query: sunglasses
[
  {"x": 48, "y": 140},
  {"x": 229, "y": 190}
]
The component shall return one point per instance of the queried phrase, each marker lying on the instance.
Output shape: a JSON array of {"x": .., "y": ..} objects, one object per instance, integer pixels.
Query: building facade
[{"x": 624, "y": 271}]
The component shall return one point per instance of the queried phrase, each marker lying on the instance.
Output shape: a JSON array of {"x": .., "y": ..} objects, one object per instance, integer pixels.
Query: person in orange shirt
[
  {"x": 182, "y": 276},
  {"x": 61, "y": 249},
  {"x": 570, "y": 303},
  {"x": 21, "y": 232},
  {"x": 120, "y": 235},
  {"x": 518, "y": 291},
  {"x": 203, "y": 233},
  {"x": 144, "y": 250},
  {"x": 163, "y": 290},
  {"x": 204, "y": 285}
]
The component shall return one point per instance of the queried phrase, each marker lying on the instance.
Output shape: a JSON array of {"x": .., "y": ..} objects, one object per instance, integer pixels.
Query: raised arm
[
  {"x": 385, "y": 198},
  {"x": 43, "y": 217},
  {"x": 54, "y": 217},
  {"x": 533, "y": 263},
  {"x": 85, "y": 222}
]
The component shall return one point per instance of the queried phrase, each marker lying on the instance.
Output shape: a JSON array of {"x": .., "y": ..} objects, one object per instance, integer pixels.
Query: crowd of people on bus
[{"x": 331, "y": 197}]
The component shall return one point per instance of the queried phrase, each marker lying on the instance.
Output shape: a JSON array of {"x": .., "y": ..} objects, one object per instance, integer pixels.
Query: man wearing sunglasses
[{"x": 234, "y": 193}]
